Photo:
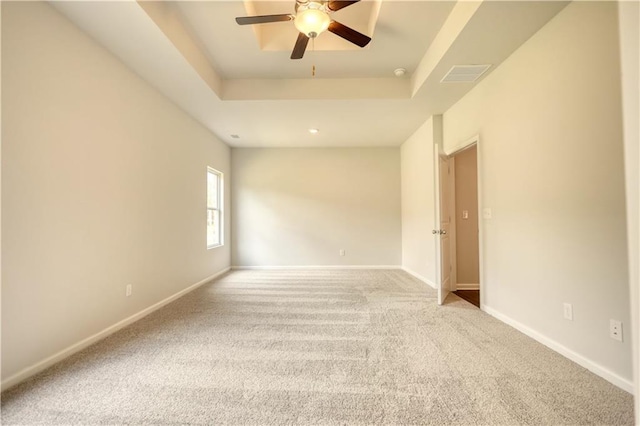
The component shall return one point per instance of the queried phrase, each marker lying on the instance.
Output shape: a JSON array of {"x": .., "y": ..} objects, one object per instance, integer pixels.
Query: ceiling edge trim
[
  {"x": 169, "y": 21},
  {"x": 316, "y": 89},
  {"x": 457, "y": 20}
]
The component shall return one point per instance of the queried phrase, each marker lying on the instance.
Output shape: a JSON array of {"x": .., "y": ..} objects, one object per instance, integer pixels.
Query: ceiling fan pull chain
[{"x": 313, "y": 49}]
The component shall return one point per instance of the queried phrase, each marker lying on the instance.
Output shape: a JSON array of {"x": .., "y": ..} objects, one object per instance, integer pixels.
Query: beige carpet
[{"x": 317, "y": 347}]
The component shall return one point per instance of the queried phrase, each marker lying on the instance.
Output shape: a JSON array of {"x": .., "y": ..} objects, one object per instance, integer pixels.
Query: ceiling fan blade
[
  {"x": 349, "y": 34},
  {"x": 337, "y": 5},
  {"x": 264, "y": 19},
  {"x": 300, "y": 47}
]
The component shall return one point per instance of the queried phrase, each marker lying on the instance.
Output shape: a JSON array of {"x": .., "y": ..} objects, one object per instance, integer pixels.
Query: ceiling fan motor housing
[{"x": 305, "y": 3}]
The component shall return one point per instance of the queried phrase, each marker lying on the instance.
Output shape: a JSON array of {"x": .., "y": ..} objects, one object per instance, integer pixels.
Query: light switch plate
[{"x": 568, "y": 311}]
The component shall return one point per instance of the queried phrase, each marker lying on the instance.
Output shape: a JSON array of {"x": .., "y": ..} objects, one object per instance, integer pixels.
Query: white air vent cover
[{"x": 464, "y": 73}]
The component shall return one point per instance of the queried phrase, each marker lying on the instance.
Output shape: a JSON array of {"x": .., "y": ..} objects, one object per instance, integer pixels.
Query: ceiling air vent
[{"x": 464, "y": 73}]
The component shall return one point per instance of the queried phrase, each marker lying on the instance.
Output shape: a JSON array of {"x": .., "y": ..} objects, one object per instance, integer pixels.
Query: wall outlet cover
[{"x": 615, "y": 330}]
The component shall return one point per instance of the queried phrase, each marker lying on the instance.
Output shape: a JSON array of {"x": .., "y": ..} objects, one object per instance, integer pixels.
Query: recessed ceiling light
[
  {"x": 313, "y": 131},
  {"x": 399, "y": 72},
  {"x": 235, "y": 136}
]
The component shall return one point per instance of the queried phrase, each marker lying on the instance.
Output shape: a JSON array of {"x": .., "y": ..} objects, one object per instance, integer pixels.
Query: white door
[{"x": 442, "y": 224}]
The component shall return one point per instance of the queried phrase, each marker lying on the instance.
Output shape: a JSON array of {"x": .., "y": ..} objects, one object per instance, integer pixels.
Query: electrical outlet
[
  {"x": 615, "y": 330},
  {"x": 128, "y": 290},
  {"x": 568, "y": 311},
  {"x": 341, "y": 252}
]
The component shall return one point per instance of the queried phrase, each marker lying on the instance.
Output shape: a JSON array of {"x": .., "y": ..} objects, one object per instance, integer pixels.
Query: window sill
[{"x": 215, "y": 246}]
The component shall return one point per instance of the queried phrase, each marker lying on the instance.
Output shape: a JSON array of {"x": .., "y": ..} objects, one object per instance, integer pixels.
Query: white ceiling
[{"x": 239, "y": 79}]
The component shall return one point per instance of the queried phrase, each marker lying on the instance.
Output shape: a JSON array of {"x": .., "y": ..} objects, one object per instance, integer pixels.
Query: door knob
[
  {"x": 435, "y": 231},
  {"x": 443, "y": 232}
]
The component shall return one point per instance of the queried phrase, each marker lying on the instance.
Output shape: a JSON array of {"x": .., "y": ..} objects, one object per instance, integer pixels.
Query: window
[{"x": 214, "y": 208}]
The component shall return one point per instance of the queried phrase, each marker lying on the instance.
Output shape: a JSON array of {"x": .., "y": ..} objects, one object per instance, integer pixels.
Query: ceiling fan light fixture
[{"x": 313, "y": 20}]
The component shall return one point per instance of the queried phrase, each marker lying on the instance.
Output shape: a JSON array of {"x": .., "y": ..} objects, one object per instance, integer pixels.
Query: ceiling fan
[{"x": 311, "y": 18}]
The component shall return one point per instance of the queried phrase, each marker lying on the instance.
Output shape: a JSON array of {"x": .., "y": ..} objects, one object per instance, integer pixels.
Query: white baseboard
[
  {"x": 310, "y": 267},
  {"x": 595, "y": 368},
  {"x": 420, "y": 277},
  {"x": 25, "y": 373},
  {"x": 472, "y": 286}
]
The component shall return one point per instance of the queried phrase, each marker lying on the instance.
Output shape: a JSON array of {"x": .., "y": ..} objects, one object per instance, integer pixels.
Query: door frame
[{"x": 475, "y": 140}]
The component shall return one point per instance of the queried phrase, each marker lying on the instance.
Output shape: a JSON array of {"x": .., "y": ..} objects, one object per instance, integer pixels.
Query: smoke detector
[{"x": 399, "y": 72}]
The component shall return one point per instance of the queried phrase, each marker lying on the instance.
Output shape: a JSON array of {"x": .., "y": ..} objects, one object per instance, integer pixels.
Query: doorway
[{"x": 466, "y": 247}]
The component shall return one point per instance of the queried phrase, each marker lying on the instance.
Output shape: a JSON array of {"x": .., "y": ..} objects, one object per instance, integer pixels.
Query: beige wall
[
  {"x": 549, "y": 120},
  {"x": 629, "y": 17},
  {"x": 466, "y": 184},
  {"x": 418, "y": 218},
  {"x": 103, "y": 185},
  {"x": 299, "y": 207}
]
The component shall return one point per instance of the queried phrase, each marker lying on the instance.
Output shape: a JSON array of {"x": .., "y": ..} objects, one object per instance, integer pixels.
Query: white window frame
[{"x": 220, "y": 205}]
